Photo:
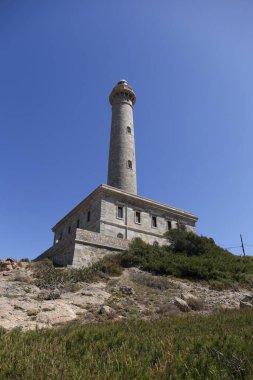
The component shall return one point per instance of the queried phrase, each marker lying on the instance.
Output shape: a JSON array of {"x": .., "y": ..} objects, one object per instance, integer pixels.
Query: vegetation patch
[
  {"x": 46, "y": 276},
  {"x": 211, "y": 348},
  {"x": 191, "y": 256}
]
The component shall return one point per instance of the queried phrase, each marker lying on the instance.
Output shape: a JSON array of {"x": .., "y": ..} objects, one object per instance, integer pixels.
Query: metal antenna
[{"x": 242, "y": 245}]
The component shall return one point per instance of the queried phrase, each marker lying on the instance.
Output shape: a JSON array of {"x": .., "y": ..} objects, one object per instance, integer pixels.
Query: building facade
[{"x": 113, "y": 214}]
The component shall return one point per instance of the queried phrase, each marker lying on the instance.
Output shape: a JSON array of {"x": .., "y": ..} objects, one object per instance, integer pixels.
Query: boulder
[
  {"x": 181, "y": 304},
  {"x": 127, "y": 290},
  {"x": 8, "y": 267},
  {"x": 246, "y": 302},
  {"x": 193, "y": 302},
  {"x": 104, "y": 309},
  {"x": 58, "y": 314},
  {"x": 6, "y": 273},
  {"x": 188, "y": 296},
  {"x": 49, "y": 295}
]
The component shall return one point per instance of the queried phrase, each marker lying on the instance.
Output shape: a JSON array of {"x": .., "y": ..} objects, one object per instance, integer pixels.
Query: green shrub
[
  {"x": 191, "y": 256},
  {"x": 111, "y": 265}
]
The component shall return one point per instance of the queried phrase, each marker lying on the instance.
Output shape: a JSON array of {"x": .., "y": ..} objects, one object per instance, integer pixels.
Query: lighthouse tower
[
  {"x": 122, "y": 162},
  {"x": 113, "y": 214}
]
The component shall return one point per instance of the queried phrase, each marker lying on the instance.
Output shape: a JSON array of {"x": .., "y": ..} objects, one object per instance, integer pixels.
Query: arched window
[
  {"x": 120, "y": 236},
  {"x": 129, "y": 130},
  {"x": 129, "y": 164}
]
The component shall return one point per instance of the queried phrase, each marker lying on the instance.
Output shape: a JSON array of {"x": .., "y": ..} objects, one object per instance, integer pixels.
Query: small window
[
  {"x": 129, "y": 164},
  {"x": 129, "y": 130},
  {"x": 154, "y": 221},
  {"x": 88, "y": 216},
  {"x": 120, "y": 212},
  {"x": 137, "y": 217},
  {"x": 77, "y": 223},
  {"x": 169, "y": 225},
  {"x": 60, "y": 238},
  {"x": 120, "y": 236},
  {"x": 69, "y": 229}
]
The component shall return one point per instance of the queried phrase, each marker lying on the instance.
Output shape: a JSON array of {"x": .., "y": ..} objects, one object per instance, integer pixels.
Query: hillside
[
  {"x": 178, "y": 312},
  {"x": 149, "y": 282}
]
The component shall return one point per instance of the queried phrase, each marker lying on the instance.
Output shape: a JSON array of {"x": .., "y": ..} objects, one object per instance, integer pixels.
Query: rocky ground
[{"x": 134, "y": 294}]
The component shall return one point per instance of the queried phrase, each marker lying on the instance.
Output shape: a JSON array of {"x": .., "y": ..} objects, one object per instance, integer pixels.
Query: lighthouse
[
  {"x": 113, "y": 214},
  {"x": 122, "y": 160}
]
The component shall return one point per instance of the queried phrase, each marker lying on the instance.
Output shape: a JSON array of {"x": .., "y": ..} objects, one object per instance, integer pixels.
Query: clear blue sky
[{"x": 191, "y": 66}]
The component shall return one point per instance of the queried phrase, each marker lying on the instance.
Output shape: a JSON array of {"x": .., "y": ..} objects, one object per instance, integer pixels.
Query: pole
[{"x": 242, "y": 245}]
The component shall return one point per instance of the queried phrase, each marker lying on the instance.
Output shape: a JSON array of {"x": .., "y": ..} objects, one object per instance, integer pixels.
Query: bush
[
  {"x": 111, "y": 265},
  {"x": 191, "y": 256},
  {"x": 46, "y": 276},
  {"x": 190, "y": 243},
  {"x": 196, "y": 304},
  {"x": 156, "y": 282}
]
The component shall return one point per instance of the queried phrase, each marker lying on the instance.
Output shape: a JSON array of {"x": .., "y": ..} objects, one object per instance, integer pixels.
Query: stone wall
[
  {"x": 61, "y": 253},
  {"x": 111, "y": 225},
  {"x": 99, "y": 240},
  {"x": 86, "y": 254},
  {"x": 83, "y": 248},
  {"x": 80, "y": 216}
]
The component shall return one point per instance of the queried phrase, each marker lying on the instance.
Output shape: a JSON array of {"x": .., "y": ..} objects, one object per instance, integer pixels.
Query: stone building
[{"x": 113, "y": 214}]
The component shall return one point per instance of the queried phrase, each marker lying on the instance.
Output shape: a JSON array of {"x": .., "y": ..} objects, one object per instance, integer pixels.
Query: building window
[
  {"x": 120, "y": 236},
  {"x": 77, "y": 223},
  {"x": 60, "y": 238},
  {"x": 69, "y": 229},
  {"x": 129, "y": 164},
  {"x": 129, "y": 130},
  {"x": 88, "y": 216},
  {"x": 154, "y": 221},
  {"x": 137, "y": 217},
  {"x": 169, "y": 225},
  {"x": 120, "y": 212}
]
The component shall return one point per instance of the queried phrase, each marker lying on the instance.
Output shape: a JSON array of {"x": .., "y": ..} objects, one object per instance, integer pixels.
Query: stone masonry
[
  {"x": 122, "y": 163},
  {"x": 83, "y": 248}
]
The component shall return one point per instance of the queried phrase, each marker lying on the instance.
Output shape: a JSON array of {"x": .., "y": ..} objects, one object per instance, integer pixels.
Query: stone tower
[{"x": 122, "y": 163}]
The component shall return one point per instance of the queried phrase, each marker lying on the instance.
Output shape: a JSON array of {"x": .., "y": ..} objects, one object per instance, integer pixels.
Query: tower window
[
  {"x": 154, "y": 221},
  {"x": 88, "y": 216},
  {"x": 129, "y": 130},
  {"x": 129, "y": 164},
  {"x": 120, "y": 212},
  {"x": 60, "y": 238},
  {"x": 169, "y": 225},
  {"x": 69, "y": 229},
  {"x": 120, "y": 236},
  {"x": 137, "y": 217},
  {"x": 77, "y": 223}
]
